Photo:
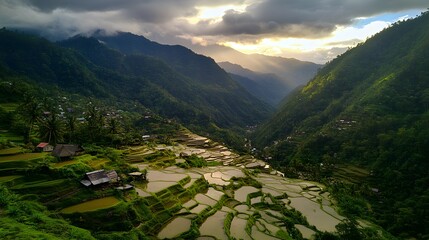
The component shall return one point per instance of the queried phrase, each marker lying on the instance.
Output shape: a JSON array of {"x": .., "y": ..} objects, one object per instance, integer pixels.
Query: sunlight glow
[
  {"x": 218, "y": 12},
  {"x": 214, "y": 14},
  {"x": 342, "y": 37}
]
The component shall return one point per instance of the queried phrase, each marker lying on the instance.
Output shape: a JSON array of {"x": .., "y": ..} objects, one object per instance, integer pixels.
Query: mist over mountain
[
  {"x": 266, "y": 86},
  {"x": 294, "y": 72},
  {"x": 152, "y": 119}
]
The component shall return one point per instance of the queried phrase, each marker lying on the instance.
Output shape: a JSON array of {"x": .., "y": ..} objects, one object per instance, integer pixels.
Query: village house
[
  {"x": 67, "y": 150},
  {"x": 45, "y": 147},
  {"x": 98, "y": 177},
  {"x": 138, "y": 175}
]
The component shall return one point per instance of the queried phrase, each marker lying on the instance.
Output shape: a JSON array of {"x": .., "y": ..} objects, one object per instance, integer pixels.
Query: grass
[
  {"x": 350, "y": 173},
  {"x": 85, "y": 158},
  {"x": 10, "y": 151},
  {"x": 9, "y": 107},
  {"x": 9, "y": 178},
  {"x": 92, "y": 161},
  {"x": 65, "y": 163},
  {"x": 92, "y": 205},
  {"x": 12, "y": 229},
  {"x": 96, "y": 163},
  {"x": 40, "y": 184},
  {"x": 10, "y": 137},
  {"x": 22, "y": 157}
]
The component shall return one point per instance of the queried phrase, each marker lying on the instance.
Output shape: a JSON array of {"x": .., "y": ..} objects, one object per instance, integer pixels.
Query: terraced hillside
[{"x": 193, "y": 189}]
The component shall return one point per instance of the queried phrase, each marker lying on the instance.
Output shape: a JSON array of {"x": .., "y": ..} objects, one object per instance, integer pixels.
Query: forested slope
[
  {"x": 91, "y": 69},
  {"x": 369, "y": 107}
]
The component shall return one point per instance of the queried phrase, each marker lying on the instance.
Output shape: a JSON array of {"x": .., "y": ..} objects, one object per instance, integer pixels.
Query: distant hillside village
[{"x": 95, "y": 178}]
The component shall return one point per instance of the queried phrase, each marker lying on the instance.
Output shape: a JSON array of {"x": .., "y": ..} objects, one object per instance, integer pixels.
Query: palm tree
[
  {"x": 51, "y": 129},
  {"x": 94, "y": 122},
  {"x": 71, "y": 126},
  {"x": 31, "y": 111},
  {"x": 113, "y": 126}
]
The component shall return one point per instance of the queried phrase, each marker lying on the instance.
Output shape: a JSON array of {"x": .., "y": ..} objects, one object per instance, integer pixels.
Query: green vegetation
[
  {"x": 194, "y": 161},
  {"x": 92, "y": 205},
  {"x": 367, "y": 108},
  {"x": 22, "y": 157},
  {"x": 22, "y": 219},
  {"x": 360, "y": 127},
  {"x": 45, "y": 97},
  {"x": 10, "y": 151},
  {"x": 9, "y": 178}
]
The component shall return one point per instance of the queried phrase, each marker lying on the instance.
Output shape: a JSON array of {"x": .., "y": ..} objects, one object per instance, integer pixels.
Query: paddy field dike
[{"x": 194, "y": 189}]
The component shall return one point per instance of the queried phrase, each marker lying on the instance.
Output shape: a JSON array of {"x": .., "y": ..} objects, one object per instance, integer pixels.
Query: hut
[
  {"x": 44, "y": 147},
  {"x": 67, "y": 150},
  {"x": 98, "y": 177},
  {"x": 113, "y": 176},
  {"x": 138, "y": 175}
]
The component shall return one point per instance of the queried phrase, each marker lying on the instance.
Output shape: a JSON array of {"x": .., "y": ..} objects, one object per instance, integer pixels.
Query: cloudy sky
[{"x": 315, "y": 30}]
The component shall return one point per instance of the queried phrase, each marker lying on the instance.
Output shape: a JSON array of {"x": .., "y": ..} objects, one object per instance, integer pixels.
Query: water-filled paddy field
[{"x": 92, "y": 205}]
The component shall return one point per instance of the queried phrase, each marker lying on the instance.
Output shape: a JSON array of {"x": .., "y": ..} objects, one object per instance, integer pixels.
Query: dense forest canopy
[
  {"x": 360, "y": 125},
  {"x": 367, "y": 107}
]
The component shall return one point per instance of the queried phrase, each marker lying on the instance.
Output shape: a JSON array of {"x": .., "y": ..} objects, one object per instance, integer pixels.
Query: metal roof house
[
  {"x": 45, "y": 147},
  {"x": 66, "y": 150},
  {"x": 98, "y": 177}
]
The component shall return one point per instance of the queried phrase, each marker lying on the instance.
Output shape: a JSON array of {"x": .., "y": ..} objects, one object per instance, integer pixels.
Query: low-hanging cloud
[
  {"x": 304, "y": 18},
  {"x": 261, "y": 18}
]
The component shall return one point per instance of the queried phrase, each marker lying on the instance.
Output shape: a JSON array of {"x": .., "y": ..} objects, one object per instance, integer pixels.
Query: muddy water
[
  {"x": 306, "y": 232},
  {"x": 238, "y": 227},
  {"x": 241, "y": 193},
  {"x": 314, "y": 214},
  {"x": 158, "y": 186},
  {"x": 293, "y": 193},
  {"x": 214, "y": 226},
  {"x": 176, "y": 227},
  {"x": 214, "y": 194}
]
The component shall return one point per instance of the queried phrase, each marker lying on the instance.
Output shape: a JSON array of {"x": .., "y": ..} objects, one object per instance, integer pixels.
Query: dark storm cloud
[
  {"x": 154, "y": 11},
  {"x": 268, "y": 18},
  {"x": 303, "y": 18}
]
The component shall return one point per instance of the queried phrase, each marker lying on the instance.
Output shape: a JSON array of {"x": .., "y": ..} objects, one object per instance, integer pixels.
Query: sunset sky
[{"x": 314, "y": 30}]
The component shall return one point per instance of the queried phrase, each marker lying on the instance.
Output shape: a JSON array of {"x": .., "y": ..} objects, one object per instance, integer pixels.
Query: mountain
[
  {"x": 292, "y": 71},
  {"x": 86, "y": 66},
  {"x": 368, "y": 107},
  {"x": 266, "y": 86},
  {"x": 202, "y": 69},
  {"x": 227, "y": 99}
]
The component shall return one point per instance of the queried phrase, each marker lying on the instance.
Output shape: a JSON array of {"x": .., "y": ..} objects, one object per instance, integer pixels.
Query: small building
[
  {"x": 137, "y": 175},
  {"x": 67, "y": 150},
  {"x": 45, "y": 147},
  {"x": 113, "y": 176},
  {"x": 125, "y": 187},
  {"x": 98, "y": 177}
]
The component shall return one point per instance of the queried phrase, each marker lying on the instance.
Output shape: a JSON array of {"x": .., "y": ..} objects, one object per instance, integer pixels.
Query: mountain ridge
[
  {"x": 211, "y": 109},
  {"x": 293, "y": 71},
  {"x": 266, "y": 86},
  {"x": 367, "y": 107}
]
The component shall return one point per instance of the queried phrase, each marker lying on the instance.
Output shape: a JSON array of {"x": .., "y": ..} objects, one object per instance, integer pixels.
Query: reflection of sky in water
[
  {"x": 175, "y": 228},
  {"x": 324, "y": 218}
]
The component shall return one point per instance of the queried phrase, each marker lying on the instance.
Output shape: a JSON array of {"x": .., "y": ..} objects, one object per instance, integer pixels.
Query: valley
[
  {"x": 242, "y": 196},
  {"x": 110, "y": 135}
]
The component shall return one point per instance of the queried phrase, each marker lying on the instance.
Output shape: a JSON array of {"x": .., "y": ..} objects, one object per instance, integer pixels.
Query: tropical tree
[
  {"x": 30, "y": 111},
  {"x": 51, "y": 128},
  {"x": 94, "y": 122},
  {"x": 71, "y": 126}
]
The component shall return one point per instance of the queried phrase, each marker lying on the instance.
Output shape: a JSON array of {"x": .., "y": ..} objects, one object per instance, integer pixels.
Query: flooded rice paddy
[
  {"x": 175, "y": 228},
  {"x": 230, "y": 208}
]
